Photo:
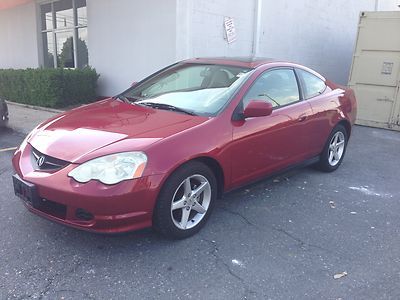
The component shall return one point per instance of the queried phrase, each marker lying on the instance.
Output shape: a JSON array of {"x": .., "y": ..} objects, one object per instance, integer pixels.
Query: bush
[{"x": 49, "y": 87}]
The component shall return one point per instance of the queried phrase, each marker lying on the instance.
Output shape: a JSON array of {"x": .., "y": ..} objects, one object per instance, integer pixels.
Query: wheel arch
[
  {"x": 216, "y": 169},
  {"x": 346, "y": 124}
]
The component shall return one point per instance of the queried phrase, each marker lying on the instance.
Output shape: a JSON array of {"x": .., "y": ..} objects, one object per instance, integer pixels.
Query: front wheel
[
  {"x": 334, "y": 150},
  {"x": 185, "y": 202},
  {"x": 3, "y": 114}
]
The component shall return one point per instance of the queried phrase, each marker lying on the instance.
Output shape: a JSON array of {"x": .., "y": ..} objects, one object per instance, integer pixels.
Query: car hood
[{"x": 77, "y": 133}]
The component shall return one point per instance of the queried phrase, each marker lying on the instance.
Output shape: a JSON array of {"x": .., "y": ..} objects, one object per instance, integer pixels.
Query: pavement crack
[
  {"x": 218, "y": 259},
  {"x": 244, "y": 218},
  {"x": 47, "y": 287},
  {"x": 76, "y": 262},
  {"x": 299, "y": 241}
]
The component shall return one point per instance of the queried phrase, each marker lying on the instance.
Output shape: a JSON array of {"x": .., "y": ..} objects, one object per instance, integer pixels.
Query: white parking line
[{"x": 8, "y": 149}]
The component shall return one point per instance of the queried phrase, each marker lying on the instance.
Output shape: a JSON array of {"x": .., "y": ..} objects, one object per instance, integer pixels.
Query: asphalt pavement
[{"x": 282, "y": 238}]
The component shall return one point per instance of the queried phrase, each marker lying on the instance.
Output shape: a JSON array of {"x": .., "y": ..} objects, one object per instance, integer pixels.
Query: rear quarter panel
[{"x": 335, "y": 105}]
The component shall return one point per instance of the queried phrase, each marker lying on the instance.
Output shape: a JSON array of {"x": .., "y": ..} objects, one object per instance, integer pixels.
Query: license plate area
[{"x": 26, "y": 191}]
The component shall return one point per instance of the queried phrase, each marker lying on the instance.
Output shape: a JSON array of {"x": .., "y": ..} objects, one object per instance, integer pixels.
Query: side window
[
  {"x": 277, "y": 86},
  {"x": 313, "y": 85}
]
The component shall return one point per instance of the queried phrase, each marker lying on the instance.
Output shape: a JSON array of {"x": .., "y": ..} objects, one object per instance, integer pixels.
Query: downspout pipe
[{"x": 257, "y": 28}]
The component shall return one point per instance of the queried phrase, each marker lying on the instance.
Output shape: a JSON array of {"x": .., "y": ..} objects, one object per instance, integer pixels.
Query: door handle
[{"x": 302, "y": 118}]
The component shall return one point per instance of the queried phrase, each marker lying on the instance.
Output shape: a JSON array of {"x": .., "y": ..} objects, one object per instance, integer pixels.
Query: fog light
[{"x": 83, "y": 214}]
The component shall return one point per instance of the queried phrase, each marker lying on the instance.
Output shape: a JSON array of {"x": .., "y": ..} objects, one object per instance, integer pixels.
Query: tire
[
  {"x": 174, "y": 206},
  {"x": 328, "y": 163},
  {"x": 3, "y": 114}
]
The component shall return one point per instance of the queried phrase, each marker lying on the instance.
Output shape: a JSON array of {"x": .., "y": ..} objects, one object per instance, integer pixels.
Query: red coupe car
[{"x": 161, "y": 153}]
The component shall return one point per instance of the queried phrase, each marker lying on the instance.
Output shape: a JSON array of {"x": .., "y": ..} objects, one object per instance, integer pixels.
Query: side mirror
[
  {"x": 257, "y": 108},
  {"x": 134, "y": 83}
]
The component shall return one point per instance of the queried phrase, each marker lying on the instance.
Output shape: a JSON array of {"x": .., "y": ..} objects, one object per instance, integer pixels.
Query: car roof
[
  {"x": 240, "y": 61},
  {"x": 250, "y": 62}
]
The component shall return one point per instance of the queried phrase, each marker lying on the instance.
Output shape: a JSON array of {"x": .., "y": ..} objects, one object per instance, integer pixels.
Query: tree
[{"x": 66, "y": 57}]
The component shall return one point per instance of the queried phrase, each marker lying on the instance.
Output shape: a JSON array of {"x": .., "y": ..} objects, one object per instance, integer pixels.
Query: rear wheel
[
  {"x": 186, "y": 201},
  {"x": 334, "y": 150}
]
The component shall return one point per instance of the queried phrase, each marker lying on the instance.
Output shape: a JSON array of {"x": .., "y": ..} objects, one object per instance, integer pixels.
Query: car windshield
[{"x": 200, "y": 89}]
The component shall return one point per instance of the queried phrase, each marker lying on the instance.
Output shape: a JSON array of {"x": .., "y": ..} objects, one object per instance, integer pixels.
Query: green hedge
[{"x": 49, "y": 87}]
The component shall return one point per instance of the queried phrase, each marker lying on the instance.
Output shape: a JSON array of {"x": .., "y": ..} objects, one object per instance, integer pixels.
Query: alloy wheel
[
  {"x": 336, "y": 148},
  {"x": 190, "y": 202}
]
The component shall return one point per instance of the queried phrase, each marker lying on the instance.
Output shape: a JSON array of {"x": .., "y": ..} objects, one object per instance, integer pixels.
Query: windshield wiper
[
  {"x": 121, "y": 97},
  {"x": 166, "y": 107}
]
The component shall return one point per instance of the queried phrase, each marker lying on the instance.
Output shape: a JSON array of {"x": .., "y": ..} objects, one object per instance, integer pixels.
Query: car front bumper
[{"x": 92, "y": 206}]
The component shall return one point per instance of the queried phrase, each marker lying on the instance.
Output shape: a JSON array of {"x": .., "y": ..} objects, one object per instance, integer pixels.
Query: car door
[{"x": 263, "y": 145}]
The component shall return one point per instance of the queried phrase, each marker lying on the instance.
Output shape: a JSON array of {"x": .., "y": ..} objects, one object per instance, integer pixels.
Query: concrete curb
[{"x": 57, "y": 111}]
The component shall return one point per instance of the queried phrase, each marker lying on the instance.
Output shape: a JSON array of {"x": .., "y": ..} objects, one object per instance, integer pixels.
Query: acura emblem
[{"x": 40, "y": 161}]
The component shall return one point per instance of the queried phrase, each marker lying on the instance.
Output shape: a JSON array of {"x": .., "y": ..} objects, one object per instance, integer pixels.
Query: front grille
[{"x": 41, "y": 161}]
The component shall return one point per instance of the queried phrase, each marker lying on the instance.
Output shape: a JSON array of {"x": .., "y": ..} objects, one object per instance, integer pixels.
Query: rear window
[{"x": 312, "y": 85}]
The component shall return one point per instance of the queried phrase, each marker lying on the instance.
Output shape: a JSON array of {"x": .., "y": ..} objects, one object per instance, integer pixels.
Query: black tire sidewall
[
  {"x": 162, "y": 221},
  {"x": 3, "y": 123},
  {"x": 3, "y": 113},
  {"x": 324, "y": 164}
]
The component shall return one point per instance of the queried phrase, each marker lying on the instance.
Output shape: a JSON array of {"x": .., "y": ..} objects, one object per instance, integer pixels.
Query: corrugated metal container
[{"x": 375, "y": 71}]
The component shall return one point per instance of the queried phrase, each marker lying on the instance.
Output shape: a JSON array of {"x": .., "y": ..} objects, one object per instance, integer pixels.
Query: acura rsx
[{"x": 160, "y": 153}]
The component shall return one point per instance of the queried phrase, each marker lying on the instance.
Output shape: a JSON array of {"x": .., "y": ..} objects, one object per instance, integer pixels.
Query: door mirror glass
[{"x": 257, "y": 108}]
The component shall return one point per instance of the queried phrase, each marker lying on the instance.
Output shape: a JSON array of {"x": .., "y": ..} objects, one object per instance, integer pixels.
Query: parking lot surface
[{"x": 281, "y": 238}]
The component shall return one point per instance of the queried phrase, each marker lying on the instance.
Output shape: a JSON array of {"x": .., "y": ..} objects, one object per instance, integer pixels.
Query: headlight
[{"x": 111, "y": 169}]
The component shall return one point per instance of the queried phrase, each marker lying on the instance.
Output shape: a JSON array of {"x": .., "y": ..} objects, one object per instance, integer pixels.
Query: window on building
[
  {"x": 312, "y": 85},
  {"x": 279, "y": 87},
  {"x": 64, "y": 34}
]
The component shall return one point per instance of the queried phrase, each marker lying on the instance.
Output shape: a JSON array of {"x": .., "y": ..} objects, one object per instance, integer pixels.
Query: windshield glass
[{"x": 201, "y": 89}]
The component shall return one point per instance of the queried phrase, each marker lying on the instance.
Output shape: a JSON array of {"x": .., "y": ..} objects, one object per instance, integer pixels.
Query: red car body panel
[
  {"x": 243, "y": 150},
  {"x": 105, "y": 123},
  {"x": 113, "y": 206}
]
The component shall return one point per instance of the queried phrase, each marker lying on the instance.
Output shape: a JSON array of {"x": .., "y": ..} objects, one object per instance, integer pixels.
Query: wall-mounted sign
[
  {"x": 230, "y": 30},
  {"x": 387, "y": 68}
]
